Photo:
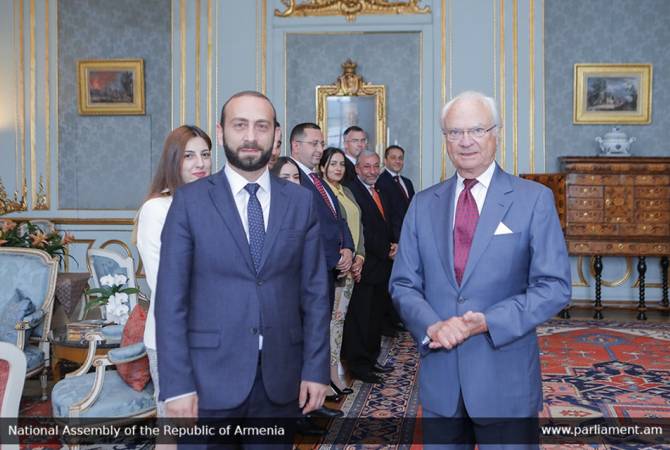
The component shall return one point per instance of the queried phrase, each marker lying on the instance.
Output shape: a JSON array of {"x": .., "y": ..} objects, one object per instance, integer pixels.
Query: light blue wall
[
  {"x": 604, "y": 31},
  {"x": 106, "y": 162},
  {"x": 313, "y": 59}
]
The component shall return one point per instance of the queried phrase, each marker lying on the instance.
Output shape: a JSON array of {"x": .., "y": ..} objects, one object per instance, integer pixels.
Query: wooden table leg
[
  {"x": 598, "y": 268},
  {"x": 642, "y": 270}
]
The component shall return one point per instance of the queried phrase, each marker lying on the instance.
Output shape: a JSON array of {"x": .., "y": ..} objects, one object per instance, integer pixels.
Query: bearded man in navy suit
[
  {"x": 242, "y": 295},
  {"x": 481, "y": 263}
]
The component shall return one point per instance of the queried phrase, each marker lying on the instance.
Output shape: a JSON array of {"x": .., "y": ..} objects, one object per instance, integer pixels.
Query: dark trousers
[
  {"x": 461, "y": 432},
  {"x": 361, "y": 341},
  {"x": 256, "y": 405}
]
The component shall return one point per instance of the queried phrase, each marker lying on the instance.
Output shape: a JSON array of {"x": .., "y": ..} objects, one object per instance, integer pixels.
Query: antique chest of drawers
[{"x": 617, "y": 206}]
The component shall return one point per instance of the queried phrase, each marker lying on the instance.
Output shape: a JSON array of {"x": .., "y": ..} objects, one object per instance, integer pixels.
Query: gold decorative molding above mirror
[
  {"x": 350, "y": 9},
  {"x": 8, "y": 205},
  {"x": 352, "y": 101}
]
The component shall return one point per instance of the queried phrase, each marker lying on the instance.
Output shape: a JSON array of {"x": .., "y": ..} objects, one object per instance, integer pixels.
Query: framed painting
[
  {"x": 612, "y": 93},
  {"x": 111, "y": 87},
  {"x": 352, "y": 101}
]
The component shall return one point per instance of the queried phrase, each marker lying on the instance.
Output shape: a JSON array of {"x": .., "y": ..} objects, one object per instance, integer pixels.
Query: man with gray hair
[
  {"x": 370, "y": 299},
  {"x": 481, "y": 263}
]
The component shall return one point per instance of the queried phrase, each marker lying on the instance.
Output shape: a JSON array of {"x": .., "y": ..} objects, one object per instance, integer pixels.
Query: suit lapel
[
  {"x": 224, "y": 203},
  {"x": 443, "y": 225},
  {"x": 278, "y": 207},
  {"x": 495, "y": 206}
]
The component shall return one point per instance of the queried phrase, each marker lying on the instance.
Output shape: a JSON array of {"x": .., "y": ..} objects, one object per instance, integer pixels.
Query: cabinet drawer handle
[{"x": 585, "y": 190}]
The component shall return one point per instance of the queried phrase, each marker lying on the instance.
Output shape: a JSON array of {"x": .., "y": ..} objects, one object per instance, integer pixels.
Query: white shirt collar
[
  {"x": 484, "y": 179},
  {"x": 238, "y": 182},
  {"x": 350, "y": 158},
  {"x": 393, "y": 174},
  {"x": 302, "y": 167}
]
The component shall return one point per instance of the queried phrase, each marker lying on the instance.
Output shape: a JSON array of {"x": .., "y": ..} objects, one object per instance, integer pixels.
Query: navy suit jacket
[
  {"x": 377, "y": 232},
  {"x": 334, "y": 229},
  {"x": 211, "y": 305},
  {"x": 399, "y": 201},
  {"x": 517, "y": 277}
]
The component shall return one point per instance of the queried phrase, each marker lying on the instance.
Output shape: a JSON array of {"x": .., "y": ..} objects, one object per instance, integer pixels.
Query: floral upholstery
[{"x": 118, "y": 399}]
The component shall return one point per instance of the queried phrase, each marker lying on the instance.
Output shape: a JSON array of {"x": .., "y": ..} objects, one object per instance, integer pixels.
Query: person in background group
[
  {"x": 242, "y": 305},
  {"x": 186, "y": 157},
  {"x": 400, "y": 189},
  {"x": 363, "y": 324},
  {"x": 276, "y": 147},
  {"x": 286, "y": 169},
  {"x": 355, "y": 141},
  {"x": 482, "y": 262},
  {"x": 332, "y": 168}
]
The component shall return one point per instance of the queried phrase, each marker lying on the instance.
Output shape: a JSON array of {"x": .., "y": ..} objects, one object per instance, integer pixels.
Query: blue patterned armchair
[
  {"x": 103, "y": 394},
  {"x": 27, "y": 285}
]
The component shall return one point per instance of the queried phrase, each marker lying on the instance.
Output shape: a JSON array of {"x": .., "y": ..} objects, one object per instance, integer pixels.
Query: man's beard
[{"x": 247, "y": 163}]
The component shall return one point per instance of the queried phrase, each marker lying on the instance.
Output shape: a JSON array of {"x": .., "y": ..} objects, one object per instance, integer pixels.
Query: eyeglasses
[
  {"x": 358, "y": 141},
  {"x": 314, "y": 144},
  {"x": 456, "y": 134}
]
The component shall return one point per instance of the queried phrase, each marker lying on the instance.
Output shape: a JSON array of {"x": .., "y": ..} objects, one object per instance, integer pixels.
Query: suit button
[
  {"x": 254, "y": 331},
  {"x": 259, "y": 283},
  {"x": 461, "y": 300}
]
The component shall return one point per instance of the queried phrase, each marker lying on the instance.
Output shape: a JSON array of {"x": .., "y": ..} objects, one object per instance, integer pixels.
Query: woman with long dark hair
[{"x": 186, "y": 157}]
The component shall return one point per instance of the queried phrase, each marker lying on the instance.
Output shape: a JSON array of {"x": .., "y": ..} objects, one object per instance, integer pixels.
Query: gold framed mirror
[{"x": 352, "y": 101}]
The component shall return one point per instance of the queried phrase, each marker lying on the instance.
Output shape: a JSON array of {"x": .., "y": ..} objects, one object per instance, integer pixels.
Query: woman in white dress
[{"x": 186, "y": 157}]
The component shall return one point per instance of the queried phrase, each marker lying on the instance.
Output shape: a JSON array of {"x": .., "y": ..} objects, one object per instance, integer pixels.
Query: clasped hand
[{"x": 455, "y": 330}]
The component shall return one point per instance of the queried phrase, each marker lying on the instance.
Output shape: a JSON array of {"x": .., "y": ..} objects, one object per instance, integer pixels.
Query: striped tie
[{"x": 322, "y": 191}]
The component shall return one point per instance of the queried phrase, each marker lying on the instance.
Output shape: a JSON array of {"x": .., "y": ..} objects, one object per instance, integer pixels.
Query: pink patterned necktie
[
  {"x": 467, "y": 216},
  {"x": 324, "y": 195}
]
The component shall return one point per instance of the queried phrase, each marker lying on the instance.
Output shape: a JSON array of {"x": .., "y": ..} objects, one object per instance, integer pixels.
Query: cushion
[
  {"x": 136, "y": 374},
  {"x": 117, "y": 399},
  {"x": 34, "y": 357},
  {"x": 16, "y": 309}
]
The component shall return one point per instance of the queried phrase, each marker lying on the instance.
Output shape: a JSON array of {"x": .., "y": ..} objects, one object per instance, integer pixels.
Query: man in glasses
[
  {"x": 481, "y": 262},
  {"x": 355, "y": 141}
]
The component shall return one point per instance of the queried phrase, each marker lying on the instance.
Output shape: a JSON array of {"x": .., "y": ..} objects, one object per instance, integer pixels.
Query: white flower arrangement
[{"x": 113, "y": 297}]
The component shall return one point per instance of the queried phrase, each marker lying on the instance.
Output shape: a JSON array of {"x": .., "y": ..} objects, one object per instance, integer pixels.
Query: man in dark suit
[
  {"x": 242, "y": 296},
  {"x": 399, "y": 189},
  {"x": 306, "y": 149},
  {"x": 369, "y": 300},
  {"x": 355, "y": 141}
]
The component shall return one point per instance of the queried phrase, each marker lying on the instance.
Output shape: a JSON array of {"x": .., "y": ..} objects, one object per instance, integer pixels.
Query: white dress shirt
[
  {"x": 400, "y": 180},
  {"x": 237, "y": 183},
  {"x": 308, "y": 171},
  {"x": 478, "y": 191},
  {"x": 150, "y": 221}
]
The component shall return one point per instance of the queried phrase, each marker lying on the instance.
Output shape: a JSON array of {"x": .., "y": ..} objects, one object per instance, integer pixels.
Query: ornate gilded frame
[
  {"x": 352, "y": 88},
  {"x": 611, "y": 104},
  {"x": 350, "y": 9},
  {"x": 107, "y": 70}
]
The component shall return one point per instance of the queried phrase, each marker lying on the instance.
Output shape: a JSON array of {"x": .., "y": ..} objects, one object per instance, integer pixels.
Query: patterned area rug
[{"x": 590, "y": 369}]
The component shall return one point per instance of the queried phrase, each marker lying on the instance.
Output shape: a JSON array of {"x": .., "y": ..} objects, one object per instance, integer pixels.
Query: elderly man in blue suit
[
  {"x": 481, "y": 263},
  {"x": 242, "y": 295}
]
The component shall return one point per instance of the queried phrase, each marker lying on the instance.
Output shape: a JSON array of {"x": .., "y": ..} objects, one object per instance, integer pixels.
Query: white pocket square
[{"x": 502, "y": 229}]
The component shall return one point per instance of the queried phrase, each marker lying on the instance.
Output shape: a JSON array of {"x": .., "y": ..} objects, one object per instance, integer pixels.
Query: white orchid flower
[
  {"x": 120, "y": 279},
  {"x": 107, "y": 280}
]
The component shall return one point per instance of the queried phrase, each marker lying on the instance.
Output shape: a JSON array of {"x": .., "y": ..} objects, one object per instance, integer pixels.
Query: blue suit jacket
[
  {"x": 335, "y": 232},
  {"x": 517, "y": 280},
  {"x": 211, "y": 305}
]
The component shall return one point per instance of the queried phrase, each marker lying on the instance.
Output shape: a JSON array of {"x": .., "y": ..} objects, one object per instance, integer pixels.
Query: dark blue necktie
[{"x": 256, "y": 225}]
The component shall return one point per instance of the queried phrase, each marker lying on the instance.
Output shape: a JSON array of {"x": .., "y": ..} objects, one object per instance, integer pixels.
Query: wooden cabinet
[{"x": 614, "y": 206}]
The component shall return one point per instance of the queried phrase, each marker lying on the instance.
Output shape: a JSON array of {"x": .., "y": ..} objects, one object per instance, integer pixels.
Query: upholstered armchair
[
  {"x": 103, "y": 394},
  {"x": 27, "y": 285},
  {"x": 12, "y": 377}
]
